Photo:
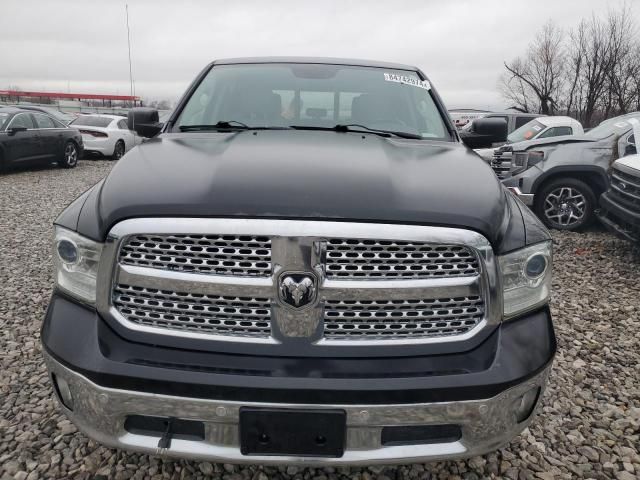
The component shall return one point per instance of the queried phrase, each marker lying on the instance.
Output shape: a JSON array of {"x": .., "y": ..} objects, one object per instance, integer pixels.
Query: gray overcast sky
[{"x": 81, "y": 45}]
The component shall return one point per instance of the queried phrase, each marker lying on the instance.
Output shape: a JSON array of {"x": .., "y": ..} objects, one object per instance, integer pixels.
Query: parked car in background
[
  {"x": 620, "y": 205},
  {"x": 513, "y": 121},
  {"x": 462, "y": 116},
  {"x": 29, "y": 137},
  {"x": 63, "y": 117},
  {"x": 106, "y": 135},
  {"x": 562, "y": 178},
  {"x": 538, "y": 128}
]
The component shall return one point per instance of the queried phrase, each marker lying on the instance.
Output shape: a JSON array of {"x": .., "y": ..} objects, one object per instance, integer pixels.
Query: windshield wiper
[
  {"x": 355, "y": 127},
  {"x": 227, "y": 125}
]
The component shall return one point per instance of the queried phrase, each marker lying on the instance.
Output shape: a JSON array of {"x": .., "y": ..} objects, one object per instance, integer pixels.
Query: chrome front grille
[
  {"x": 211, "y": 254},
  {"x": 371, "y": 259},
  {"x": 221, "y": 279},
  {"x": 626, "y": 189},
  {"x": 501, "y": 164},
  {"x": 190, "y": 312},
  {"x": 370, "y": 319}
]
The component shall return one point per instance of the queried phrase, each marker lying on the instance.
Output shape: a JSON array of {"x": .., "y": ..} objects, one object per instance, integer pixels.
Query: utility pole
[{"x": 126, "y": 7}]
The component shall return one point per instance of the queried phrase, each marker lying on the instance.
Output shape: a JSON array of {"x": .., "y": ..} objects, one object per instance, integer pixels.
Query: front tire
[
  {"x": 118, "y": 151},
  {"x": 70, "y": 156},
  {"x": 566, "y": 204}
]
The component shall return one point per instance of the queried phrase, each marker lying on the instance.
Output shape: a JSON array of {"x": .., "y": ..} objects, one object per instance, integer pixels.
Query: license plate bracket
[{"x": 292, "y": 432}]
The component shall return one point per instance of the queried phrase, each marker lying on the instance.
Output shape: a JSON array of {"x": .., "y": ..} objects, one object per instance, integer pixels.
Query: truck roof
[
  {"x": 318, "y": 60},
  {"x": 557, "y": 120}
]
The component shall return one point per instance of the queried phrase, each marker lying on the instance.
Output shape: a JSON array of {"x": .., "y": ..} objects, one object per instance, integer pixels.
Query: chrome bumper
[
  {"x": 526, "y": 198},
  {"x": 486, "y": 424}
]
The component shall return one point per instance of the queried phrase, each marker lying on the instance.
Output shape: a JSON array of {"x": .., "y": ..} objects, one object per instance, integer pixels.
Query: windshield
[
  {"x": 613, "y": 126},
  {"x": 62, "y": 116},
  {"x": 526, "y": 132},
  {"x": 92, "y": 121},
  {"x": 4, "y": 119},
  {"x": 313, "y": 95}
]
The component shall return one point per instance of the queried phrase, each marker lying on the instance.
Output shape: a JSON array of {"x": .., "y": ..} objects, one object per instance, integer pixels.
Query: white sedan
[{"x": 107, "y": 135}]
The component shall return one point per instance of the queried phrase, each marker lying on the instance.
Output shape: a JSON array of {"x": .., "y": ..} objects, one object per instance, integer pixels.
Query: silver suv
[{"x": 561, "y": 178}]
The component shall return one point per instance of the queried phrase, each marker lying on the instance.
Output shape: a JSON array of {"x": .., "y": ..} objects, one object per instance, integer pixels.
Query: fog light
[
  {"x": 67, "y": 251},
  {"x": 63, "y": 391},
  {"x": 523, "y": 406}
]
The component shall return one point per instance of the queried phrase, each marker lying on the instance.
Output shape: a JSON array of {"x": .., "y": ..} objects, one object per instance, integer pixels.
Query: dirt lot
[{"x": 589, "y": 426}]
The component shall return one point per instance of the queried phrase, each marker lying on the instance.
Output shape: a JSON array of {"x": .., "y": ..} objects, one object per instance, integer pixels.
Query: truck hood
[
  {"x": 303, "y": 174},
  {"x": 543, "y": 142},
  {"x": 631, "y": 162}
]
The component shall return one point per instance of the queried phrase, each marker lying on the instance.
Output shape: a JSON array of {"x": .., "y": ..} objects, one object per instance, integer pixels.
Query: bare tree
[
  {"x": 625, "y": 60},
  {"x": 536, "y": 80},
  {"x": 517, "y": 93},
  {"x": 595, "y": 52},
  {"x": 575, "y": 58},
  {"x": 592, "y": 73}
]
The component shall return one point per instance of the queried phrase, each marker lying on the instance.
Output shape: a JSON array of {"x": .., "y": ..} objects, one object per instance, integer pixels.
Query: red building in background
[{"x": 15, "y": 96}]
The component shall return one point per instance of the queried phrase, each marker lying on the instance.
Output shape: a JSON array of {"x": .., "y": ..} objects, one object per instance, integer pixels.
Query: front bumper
[
  {"x": 110, "y": 378},
  {"x": 618, "y": 219},
  {"x": 485, "y": 424}
]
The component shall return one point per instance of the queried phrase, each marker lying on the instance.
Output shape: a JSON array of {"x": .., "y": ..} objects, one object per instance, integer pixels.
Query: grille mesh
[
  {"x": 238, "y": 316},
  {"x": 349, "y": 258},
  {"x": 501, "y": 164},
  {"x": 397, "y": 319},
  {"x": 208, "y": 254},
  {"x": 626, "y": 189}
]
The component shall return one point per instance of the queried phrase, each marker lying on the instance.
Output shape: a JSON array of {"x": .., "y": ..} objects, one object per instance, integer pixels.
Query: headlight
[
  {"x": 526, "y": 278},
  {"x": 520, "y": 161},
  {"x": 76, "y": 260},
  {"x": 534, "y": 157}
]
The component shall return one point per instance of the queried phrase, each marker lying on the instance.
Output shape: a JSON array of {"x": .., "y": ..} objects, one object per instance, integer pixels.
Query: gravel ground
[{"x": 590, "y": 421}]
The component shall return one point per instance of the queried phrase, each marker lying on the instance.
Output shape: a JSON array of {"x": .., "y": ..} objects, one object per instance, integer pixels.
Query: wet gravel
[{"x": 589, "y": 426}]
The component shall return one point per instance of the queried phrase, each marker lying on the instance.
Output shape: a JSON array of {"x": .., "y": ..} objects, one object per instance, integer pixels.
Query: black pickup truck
[{"x": 304, "y": 264}]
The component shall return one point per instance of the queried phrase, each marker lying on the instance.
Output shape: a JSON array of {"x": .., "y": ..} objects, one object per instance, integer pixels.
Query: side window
[
  {"x": 549, "y": 132},
  {"x": 43, "y": 121},
  {"x": 345, "y": 103},
  {"x": 520, "y": 121},
  {"x": 564, "y": 131},
  {"x": 556, "y": 132},
  {"x": 316, "y": 105},
  {"x": 122, "y": 125},
  {"x": 58, "y": 124},
  {"x": 21, "y": 120}
]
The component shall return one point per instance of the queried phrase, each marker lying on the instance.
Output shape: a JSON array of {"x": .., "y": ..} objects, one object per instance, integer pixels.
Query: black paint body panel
[
  {"x": 300, "y": 175},
  {"x": 80, "y": 339}
]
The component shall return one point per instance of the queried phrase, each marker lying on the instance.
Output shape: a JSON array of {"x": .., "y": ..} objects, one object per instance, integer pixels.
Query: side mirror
[
  {"x": 630, "y": 149},
  {"x": 485, "y": 132},
  {"x": 13, "y": 130},
  {"x": 144, "y": 121}
]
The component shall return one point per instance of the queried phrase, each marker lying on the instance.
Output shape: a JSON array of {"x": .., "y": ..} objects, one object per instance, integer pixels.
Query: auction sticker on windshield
[{"x": 394, "y": 77}]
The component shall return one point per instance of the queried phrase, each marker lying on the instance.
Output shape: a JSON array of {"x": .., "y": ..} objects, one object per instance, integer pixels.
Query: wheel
[
  {"x": 70, "y": 157},
  {"x": 566, "y": 204},
  {"x": 118, "y": 151}
]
